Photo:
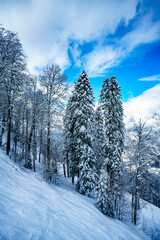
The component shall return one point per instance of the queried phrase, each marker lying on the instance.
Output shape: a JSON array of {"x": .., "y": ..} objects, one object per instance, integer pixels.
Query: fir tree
[
  {"x": 79, "y": 121},
  {"x": 88, "y": 176},
  {"x": 104, "y": 96},
  {"x": 104, "y": 194},
  {"x": 99, "y": 139},
  {"x": 114, "y": 132},
  {"x": 69, "y": 143}
]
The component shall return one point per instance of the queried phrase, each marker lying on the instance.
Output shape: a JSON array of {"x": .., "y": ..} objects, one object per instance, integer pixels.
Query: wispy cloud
[
  {"x": 46, "y": 27},
  {"x": 101, "y": 59},
  {"x": 76, "y": 54},
  {"x": 150, "y": 78},
  {"x": 104, "y": 57}
]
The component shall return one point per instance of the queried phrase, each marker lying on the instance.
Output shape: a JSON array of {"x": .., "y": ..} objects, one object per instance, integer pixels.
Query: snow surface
[
  {"x": 30, "y": 208},
  {"x": 149, "y": 221}
]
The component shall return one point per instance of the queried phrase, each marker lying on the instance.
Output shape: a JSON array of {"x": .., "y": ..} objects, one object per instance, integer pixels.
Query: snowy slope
[
  {"x": 149, "y": 221},
  {"x": 30, "y": 208}
]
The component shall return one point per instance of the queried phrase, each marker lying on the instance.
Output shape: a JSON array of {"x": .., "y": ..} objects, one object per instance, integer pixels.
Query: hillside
[{"x": 30, "y": 208}]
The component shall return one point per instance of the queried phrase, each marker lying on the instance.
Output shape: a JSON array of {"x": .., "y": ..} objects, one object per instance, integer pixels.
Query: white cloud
[
  {"x": 146, "y": 106},
  {"x": 45, "y": 27},
  {"x": 103, "y": 58},
  {"x": 76, "y": 53},
  {"x": 150, "y": 78},
  {"x": 146, "y": 31}
]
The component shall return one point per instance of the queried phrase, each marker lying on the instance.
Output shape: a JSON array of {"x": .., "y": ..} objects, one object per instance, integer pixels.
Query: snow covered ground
[
  {"x": 149, "y": 221},
  {"x": 30, "y": 208}
]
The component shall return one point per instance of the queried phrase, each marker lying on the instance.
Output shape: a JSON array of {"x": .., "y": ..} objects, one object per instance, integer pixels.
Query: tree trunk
[
  {"x": 9, "y": 132},
  {"x": 30, "y": 140},
  {"x": 136, "y": 202},
  {"x": 40, "y": 145},
  {"x": 15, "y": 148},
  {"x": 2, "y": 128},
  {"x": 64, "y": 170},
  {"x": 73, "y": 180},
  {"x": 78, "y": 174},
  {"x": 48, "y": 139},
  {"x": 34, "y": 144},
  {"x": 132, "y": 204},
  {"x": 1, "y": 136},
  {"x": 23, "y": 136},
  {"x": 67, "y": 166},
  {"x": 34, "y": 130},
  {"x": 26, "y": 139},
  {"x": 135, "y": 210},
  {"x": 39, "y": 158}
]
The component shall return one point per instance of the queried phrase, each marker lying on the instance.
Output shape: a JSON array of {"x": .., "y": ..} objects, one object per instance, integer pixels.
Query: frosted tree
[
  {"x": 84, "y": 129},
  {"x": 36, "y": 104},
  {"x": 69, "y": 143},
  {"x": 53, "y": 82},
  {"x": 104, "y": 194},
  {"x": 12, "y": 75},
  {"x": 79, "y": 122},
  {"x": 114, "y": 132},
  {"x": 140, "y": 155},
  {"x": 99, "y": 139},
  {"x": 104, "y": 95},
  {"x": 26, "y": 137},
  {"x": 88, "y": 174},
  {"x": 114, "y": 126}
]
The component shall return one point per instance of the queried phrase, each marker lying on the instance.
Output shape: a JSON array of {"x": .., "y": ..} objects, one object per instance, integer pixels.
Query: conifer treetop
[
  {"x": 105, "y": 91},
  {"x": 84, "y": 89}
]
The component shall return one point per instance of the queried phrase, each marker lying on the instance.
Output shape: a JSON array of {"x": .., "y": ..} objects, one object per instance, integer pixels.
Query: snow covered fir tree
[
  {"x": 110, "y": 196},
  {"x": 79, "y": 132},
  {"x": 99, "y": 139}
]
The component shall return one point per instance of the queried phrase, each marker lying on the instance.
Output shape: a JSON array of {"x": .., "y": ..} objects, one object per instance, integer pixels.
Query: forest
[{"x": 46, "y": 121}]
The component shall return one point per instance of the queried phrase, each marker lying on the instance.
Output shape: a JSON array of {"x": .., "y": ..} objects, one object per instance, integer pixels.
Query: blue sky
[{"x": 119, "y": 37}]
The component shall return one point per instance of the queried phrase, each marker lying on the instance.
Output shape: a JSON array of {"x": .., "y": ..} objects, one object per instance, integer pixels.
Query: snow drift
[{"x": 30, "y": 208}]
